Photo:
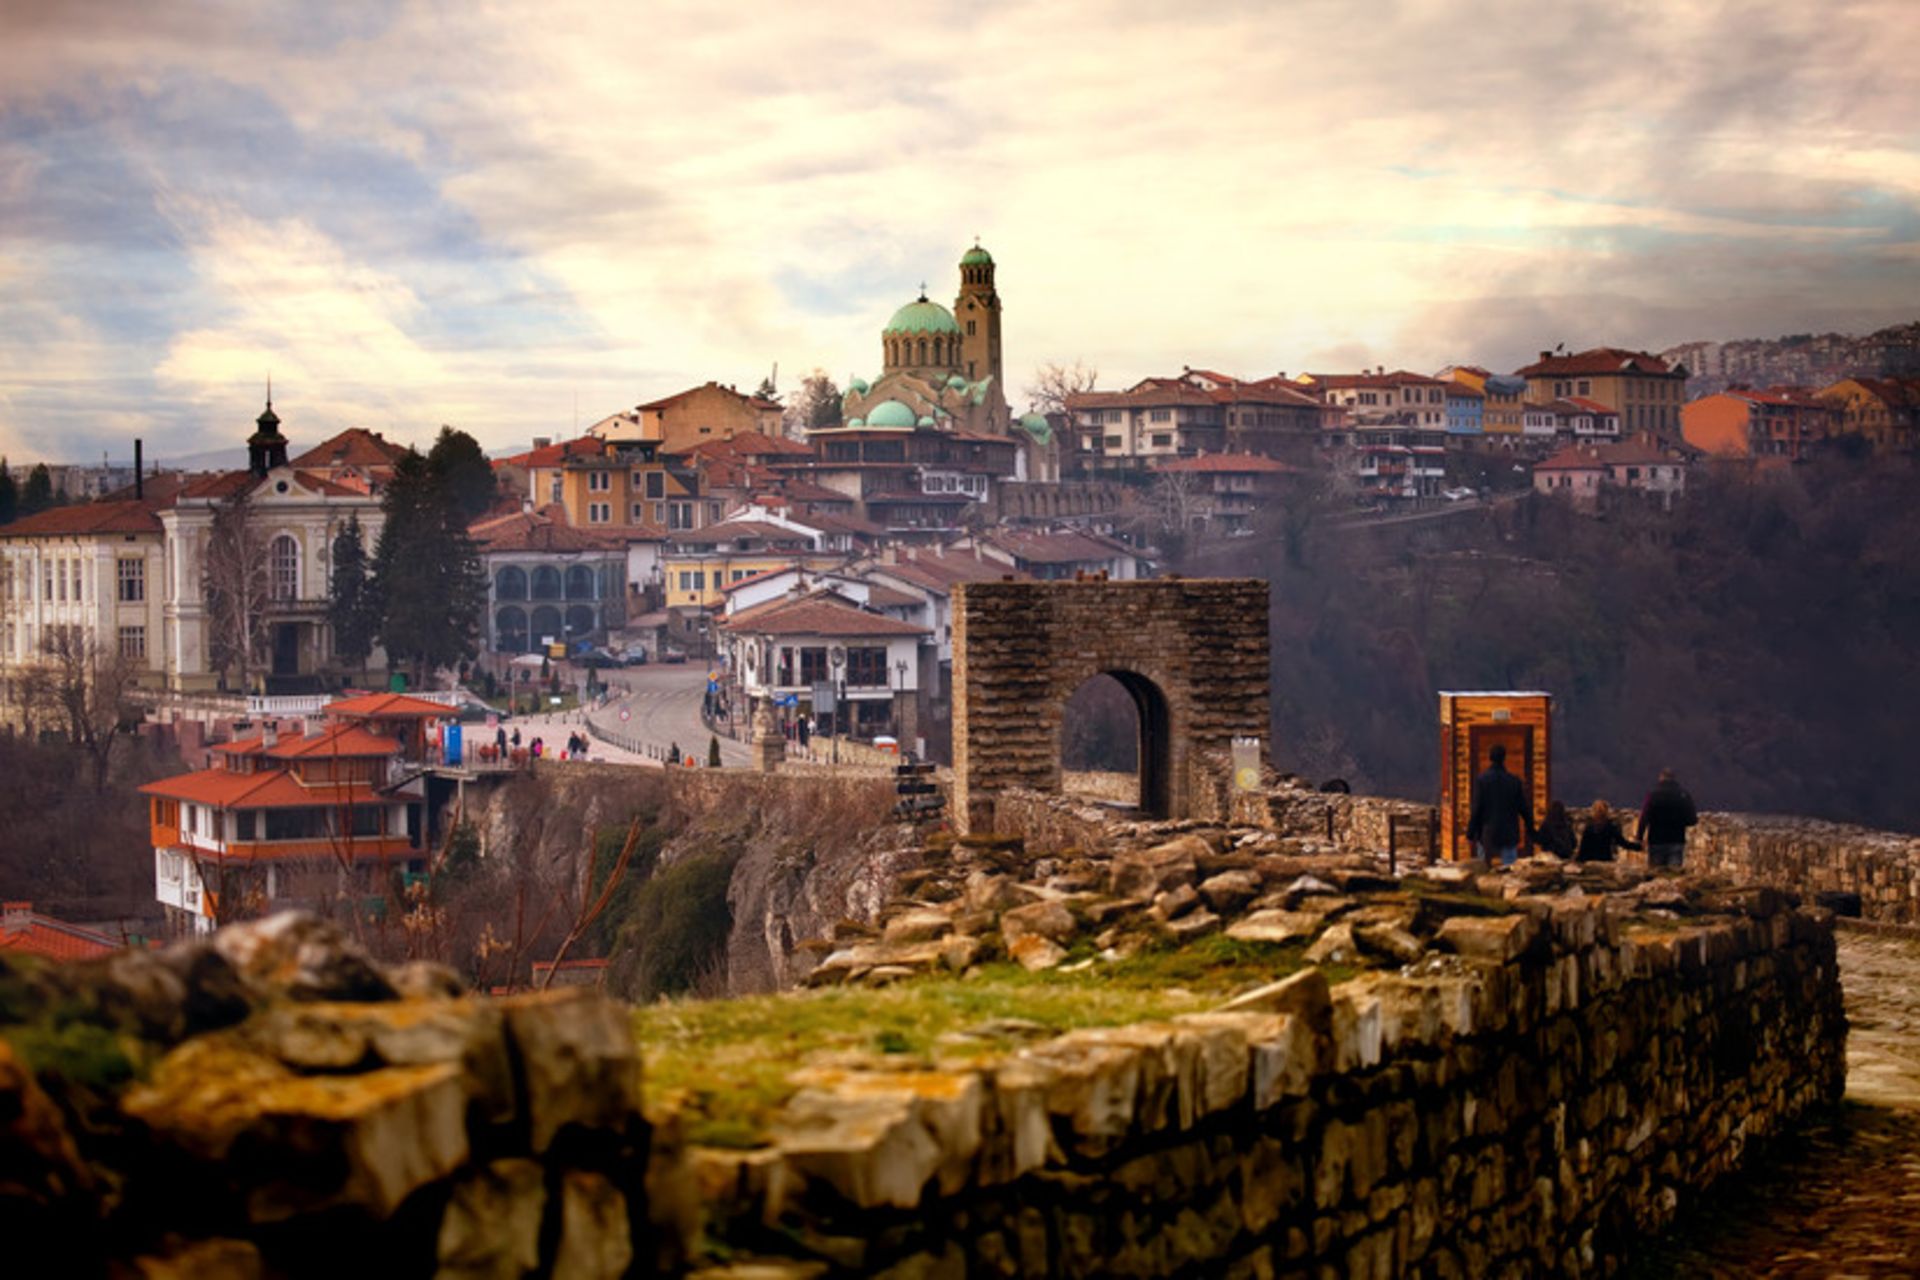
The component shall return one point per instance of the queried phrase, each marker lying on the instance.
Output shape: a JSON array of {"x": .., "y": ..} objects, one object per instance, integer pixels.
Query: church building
[{"x": 941, "y": 368}]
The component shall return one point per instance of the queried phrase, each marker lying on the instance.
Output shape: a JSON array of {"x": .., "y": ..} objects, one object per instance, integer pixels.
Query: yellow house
[
  {"x": 616, "y": 486},
  {"x": 1883, "y": 411},
  {"x": 696, "y": 416},
  {"x": 701, "y": 564},
  {"x": 1643, "y": 389}
]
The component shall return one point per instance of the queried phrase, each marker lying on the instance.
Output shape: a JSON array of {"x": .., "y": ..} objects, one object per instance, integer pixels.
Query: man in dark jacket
[
  {"x": 1664, "y": 820},
  {"x": 1500, "y": 811}
]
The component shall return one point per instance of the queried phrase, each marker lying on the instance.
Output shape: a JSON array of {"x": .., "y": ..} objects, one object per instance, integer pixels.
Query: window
[
  {"x": 867, "y": 668},
  {"x": 599, "y": 481},
  {"x": 813, "y": 665},
  {"x": 970, "y": 325},
  {"x": 637, "y": 513},
  {"x": 76, "y": 581},
  {"x": 554, "y": 489},
  {"x": 46, "y": 581},
  {"x": 133, "y": 642},
  {"x": 1114, "y": 443},
  {"x": 284, "y": 557},
  {"x": 679, "y": 515},
  {"x": 1586, "y": 387},
  {"x": 659, "y": 514},
  {"x": 60, "y": 572},
  {"x": 1162, "y": 441},
  {"x": 133, "y": 581},
  {"x": 1113, "y": 415},
  {"x": 599, "y": 512},
  {"x": 656, "y": 484},
  {"x": 1161, "y": 415}
]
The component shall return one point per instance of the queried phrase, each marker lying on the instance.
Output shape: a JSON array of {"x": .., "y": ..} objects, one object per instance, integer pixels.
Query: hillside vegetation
[{"x": 1760, "y": 639}]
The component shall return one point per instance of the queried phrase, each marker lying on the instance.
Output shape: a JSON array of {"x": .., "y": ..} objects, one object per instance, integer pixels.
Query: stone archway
[{"x": 1192, "y": 653}]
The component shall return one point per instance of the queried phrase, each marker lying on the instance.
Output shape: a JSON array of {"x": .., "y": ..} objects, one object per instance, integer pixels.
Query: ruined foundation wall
[
  {"x": 1538, "y": 1102},
  {"x": 1808, "y": 856}
]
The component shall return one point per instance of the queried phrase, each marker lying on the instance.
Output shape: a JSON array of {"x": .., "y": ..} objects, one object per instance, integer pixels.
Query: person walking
[
  {"x": 1500, "y": 811},
  {"x": 1603, "y": 838},
  {"x": 1555, "y": 835},
  {"x": 516, "y": 736},
  {"x": 1664, "y": 820}
]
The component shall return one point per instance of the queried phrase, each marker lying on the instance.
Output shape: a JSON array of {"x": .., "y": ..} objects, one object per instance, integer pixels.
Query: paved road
[
  {"x": 662, "y": 702},
  {"x": 1842, "y": 1199}
]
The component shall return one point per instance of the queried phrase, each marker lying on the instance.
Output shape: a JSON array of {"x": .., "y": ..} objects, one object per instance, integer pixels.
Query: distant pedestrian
[
  {"x": 1603, "y": 837},
  {"x": 1500, "y": 811},
  {"x": 803, "y": 731},
  {"x": 500, "y": 739},
  {"x": 1555, "y": 834},
  {"x": 516, "y": 736},
  {"x": 1664, "y": 820},
  {"x": 535, "y": 746}
]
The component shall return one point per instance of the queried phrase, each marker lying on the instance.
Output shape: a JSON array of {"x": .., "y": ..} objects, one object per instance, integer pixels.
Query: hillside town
[{"x": 796, "y": 560}]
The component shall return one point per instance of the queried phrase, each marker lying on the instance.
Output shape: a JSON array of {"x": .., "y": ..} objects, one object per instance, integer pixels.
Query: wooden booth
[{"x": 1470, "y": 725}]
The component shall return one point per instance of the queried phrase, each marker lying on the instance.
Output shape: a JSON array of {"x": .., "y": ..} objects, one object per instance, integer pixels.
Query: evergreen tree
[
  {"x": 458, "y": 465},
  {"x": 713, "y": 751},
  {"x": 766, "y": 390},
  {"x": 9, "y": 494},
  {"x": 350, "y": 603},
  {"x": 428, "y": 586},
  {"x": 38, "y": 495}
]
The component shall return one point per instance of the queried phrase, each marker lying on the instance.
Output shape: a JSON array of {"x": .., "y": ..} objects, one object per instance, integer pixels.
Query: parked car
[
  {"x": 672, "y": 655},
  {"x": 1457, "y": 495},
  {"x": 474, "y": 711},
  {"x": 598, "y": 658},
  {"x": 636, "y": 658}
]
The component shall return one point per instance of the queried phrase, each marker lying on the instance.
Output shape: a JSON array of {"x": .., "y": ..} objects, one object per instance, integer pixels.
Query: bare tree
[
  {"x": 238, "y": 586},
  {"x": 1179, "y": 505},
  {"x": 85, "y": 689},
  {"x": 815, "y": 404},
  {"x": 1053, "y": 383}
]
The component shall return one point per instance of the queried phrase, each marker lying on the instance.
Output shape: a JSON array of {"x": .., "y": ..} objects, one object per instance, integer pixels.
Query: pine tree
[
  {"x": 9, "y": 494},
  {"x": 713, "y": 751},
  {"x": 350, "y": 603},
  {"x": 38, "y": 495},
  {"x": 462, "y": 471},
  {"x": 428, "y": 586}
]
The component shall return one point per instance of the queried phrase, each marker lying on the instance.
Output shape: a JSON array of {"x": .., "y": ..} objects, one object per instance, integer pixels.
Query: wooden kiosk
[{"x": 1470, "y": 724}]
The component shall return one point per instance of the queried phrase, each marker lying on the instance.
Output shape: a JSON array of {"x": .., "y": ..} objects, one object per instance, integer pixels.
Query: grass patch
[{"x": 723, "y": 1065}]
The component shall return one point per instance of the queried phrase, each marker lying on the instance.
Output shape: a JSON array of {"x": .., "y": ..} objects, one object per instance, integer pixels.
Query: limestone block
[
  {"x": 1160, "y": 868},
  {"x": 1358, "y": 1036},
  {"x": 1275, "y": 926},
  {"x": 336, "y": 1036},
  {"x": 1018, "y": 1136},
  {"x": 1093, "y": 1087},
  {"x": 1500, "y": 938},
  {"x": 920, "y": 925},
  {"x": 1050, "y": 920},
  {"x": 578, "y": 1063},
  {"x": 1335, "y": 946},
  {"x": 1035, "y": 953},
  {"x": 596, "y": 1240},
  {"x": 1230, "y": 891},
  {"x": 491, "y": 1227},
  {"x": 299, "y": 955}
]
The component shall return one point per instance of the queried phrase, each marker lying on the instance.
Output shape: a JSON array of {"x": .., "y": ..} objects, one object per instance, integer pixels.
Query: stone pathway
[{"x": 1842, "y": 1200}]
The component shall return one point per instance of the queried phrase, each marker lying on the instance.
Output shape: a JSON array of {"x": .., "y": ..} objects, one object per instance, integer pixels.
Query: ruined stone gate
[{"x": 1192, "y": 652}]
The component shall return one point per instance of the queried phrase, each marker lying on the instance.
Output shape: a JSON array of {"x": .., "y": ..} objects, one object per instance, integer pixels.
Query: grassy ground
[{"x": 723, "y": 1064}]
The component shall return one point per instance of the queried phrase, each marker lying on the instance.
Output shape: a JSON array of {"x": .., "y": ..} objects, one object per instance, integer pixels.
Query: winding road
[{"x": 661, "y": 706}]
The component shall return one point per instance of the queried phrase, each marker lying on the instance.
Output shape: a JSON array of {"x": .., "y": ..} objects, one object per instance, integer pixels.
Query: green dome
[
  {"x": 922, "y": 317},
  {"x": 956, "y": 383},
  {"x": 890, "y": 413},
  {"x": 976, "y": 257},
  {"x": 1037, "y": 426},
  {"x": 926, "y": 420}
]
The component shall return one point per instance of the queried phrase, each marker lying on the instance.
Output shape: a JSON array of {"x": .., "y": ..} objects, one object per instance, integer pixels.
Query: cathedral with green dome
[{"x": 940, "y": 368}]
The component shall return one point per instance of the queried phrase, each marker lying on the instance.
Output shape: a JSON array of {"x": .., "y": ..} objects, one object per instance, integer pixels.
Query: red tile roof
[
  {"x": 1227, "y": 463},
  {"x": 277, "y": 789},
  {"x": 1598, "y": 360},
  {"x": 83, "y": 519},
  {"x": 1571, "y": 459},
  {"x": 553, "y": 455},
  {"x": 1397, "y": 378},
  {"x": 750, "y": 444},
  {"x": 1063, "y": 547},
  {"x": 820, "y": 617},
  {"x": 667, "y": 402},
  {"x": 941, "y": 570},
  {"x": 1585, "y": 405},
  {"x": 727, "y": 530},
  {"x": 354, "y": 447},
  {"x": 335, "y": 740},
  {"x": 369, "y": 706},
  {"x": 24, "y": 931},
  {"x": 546, "y": 530}
]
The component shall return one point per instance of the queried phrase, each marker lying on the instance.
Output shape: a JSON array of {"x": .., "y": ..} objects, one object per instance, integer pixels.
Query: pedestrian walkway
[{"x": 1839, "y": 1199}]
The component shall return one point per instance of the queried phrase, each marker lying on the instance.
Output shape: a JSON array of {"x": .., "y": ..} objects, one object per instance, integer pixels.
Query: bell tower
[
  {"x": 266, "y": 447},
  {"x": 977, "y": 309}
]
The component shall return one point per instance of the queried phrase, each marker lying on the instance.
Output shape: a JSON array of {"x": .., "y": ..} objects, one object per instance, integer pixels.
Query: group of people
[
  {"x": 1501, "y": 814},
  {"x": 577, "y": 744}
]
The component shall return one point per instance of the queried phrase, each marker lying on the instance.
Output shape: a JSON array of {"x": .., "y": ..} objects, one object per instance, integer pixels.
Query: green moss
[
  {"x": 81, "y": 1053},
  {"x": 724, "y": 1065}
]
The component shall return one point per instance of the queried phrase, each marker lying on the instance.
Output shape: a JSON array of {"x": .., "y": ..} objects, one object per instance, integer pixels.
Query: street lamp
[{"x": 837, "y": 657}]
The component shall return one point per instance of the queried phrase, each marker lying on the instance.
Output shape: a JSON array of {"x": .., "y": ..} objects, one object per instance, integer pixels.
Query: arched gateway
[{"x": 1192, "y": 652}]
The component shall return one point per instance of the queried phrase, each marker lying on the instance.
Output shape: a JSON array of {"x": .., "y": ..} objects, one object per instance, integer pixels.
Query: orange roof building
[{"x": 26, "y": 932}]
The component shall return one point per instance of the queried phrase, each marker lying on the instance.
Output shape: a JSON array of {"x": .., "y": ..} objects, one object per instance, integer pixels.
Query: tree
[
  {"x": 815, "y": 406},
  {"x": 460, "y": 468},
  {"x": 350, "y": 599},
  {"x": 38, "y": 494},
  {"x": 9, "y": 494},
  {"x": 428, "y": 586},
  {"x": 238, "y": 585},
  {"x": 1053, "y": 383},
  {"x": 713, "y": 751},
  {"x": 766, "y": 390},
  {"x": 85, "y": 690}
]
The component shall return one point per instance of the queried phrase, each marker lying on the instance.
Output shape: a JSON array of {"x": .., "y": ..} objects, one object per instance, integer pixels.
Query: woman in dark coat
[
  {"x": 1603, "y": 836},
  {"x": 1555, "y": 835}
]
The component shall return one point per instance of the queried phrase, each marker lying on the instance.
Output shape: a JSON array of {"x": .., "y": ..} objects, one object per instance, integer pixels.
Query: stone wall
[
  {"x": 1808, "y": 856},
  {"x": 1192, "y": 652},
  {"x": 1554, "y": 1079}
]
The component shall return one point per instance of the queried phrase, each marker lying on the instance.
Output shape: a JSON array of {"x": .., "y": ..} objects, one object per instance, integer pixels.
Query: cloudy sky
[{"x": 519, "y": 214}]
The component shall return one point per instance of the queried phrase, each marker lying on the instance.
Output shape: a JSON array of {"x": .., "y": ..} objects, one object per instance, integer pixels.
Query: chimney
[
  {"x": 139, "y": 484},
  {"x": 269, "y": 736},
  {"x": 1546, "y": 355},
  {"x": 541, "y": 442},
  {"x": 314, "y": 727}
]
